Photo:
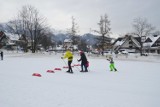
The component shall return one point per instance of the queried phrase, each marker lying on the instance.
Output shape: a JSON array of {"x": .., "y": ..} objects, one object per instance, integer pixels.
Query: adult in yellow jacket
[{"x": 69, "y": 55}]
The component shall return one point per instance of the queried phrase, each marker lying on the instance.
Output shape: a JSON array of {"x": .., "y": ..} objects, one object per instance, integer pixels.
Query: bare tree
[
  {"x": 46, "y": 39},
  {"x": 142, "y": 29},
  {"x": 156, "y": 33},
  {"x": 73, "y": 31},
  {"x": 14, "y": 26},
  {"x": 33, "y": 23},
  {"x": 104, "y": 29},
  {"x": 30, "y": 25}
]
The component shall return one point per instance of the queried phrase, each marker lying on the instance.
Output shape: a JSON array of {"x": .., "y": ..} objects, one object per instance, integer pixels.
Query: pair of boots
[
  {"x": 69, "y": 71},
  {"x": 114, "y": 70},
  {"x": 83, "y": 67},
  {"x": 84, "y": 71}
]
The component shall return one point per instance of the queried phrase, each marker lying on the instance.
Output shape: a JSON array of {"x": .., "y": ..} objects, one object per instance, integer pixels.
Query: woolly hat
[{"x": 81, "y": 52}]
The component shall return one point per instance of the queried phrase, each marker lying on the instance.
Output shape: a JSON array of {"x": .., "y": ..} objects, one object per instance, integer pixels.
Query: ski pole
[
  {"x": 77, "y": 68},
  {"x": 64, "y": 62}
]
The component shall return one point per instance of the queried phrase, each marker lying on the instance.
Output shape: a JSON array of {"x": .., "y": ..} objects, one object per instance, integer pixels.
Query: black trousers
[
  {"x": 84, "y": 65},
  {"x": 69, "y": 65}
]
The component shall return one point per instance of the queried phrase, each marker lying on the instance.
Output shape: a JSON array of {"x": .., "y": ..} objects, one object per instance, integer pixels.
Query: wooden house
[
  {"x": 9, "y": 40},
  {"x": 128, "y": 42},
  {"x": 68, "y": 43},
  {"x": 152, "y": 44},
  {"x": 3, "y": 39},
  {"x": 132, "y": 44}
]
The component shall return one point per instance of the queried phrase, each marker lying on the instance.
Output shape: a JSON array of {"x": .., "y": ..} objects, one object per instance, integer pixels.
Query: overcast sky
[{"x": 87, "y": 12}]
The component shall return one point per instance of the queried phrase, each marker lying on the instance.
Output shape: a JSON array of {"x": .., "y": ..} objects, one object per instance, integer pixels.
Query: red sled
[
  {"x": 77, "y": 64},
  {"x": 67, "y": 66},
  {"x": 50, "y": 71},
  {"x": 36, "y": 74},
  {"x": 59, "y": 69}
]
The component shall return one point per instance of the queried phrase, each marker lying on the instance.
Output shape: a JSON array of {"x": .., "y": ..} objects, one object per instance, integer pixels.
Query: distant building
[
  {"x": 152, "y": 44},
  {"x": 68, "y": 43},
  {"x": 132, "y": 44},
  {"x": 8, "y": 40},
  {"x": 128, "y": 42},
  {"x": 3, "y": 39}
]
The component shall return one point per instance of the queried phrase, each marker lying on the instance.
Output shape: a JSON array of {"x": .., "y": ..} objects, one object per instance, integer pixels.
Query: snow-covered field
[{"x": 136, "y": 84}]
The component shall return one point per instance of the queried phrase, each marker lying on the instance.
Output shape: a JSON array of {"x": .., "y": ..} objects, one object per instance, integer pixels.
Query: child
[{"x": 112, "y": 67}]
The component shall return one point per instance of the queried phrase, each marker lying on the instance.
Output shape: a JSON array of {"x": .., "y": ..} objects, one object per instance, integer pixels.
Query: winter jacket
[
  {"x": 111, "y": 60},
  {"x": 68, "y": 55},
  {"x": 1, "y": 54},
  {"x": 83, "y": 58}
]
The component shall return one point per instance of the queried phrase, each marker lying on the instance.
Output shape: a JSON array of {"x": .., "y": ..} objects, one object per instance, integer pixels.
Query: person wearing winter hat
[{"x": 84, "y": 61}]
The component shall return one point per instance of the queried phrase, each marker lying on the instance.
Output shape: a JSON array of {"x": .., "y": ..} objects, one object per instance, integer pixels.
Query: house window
[
  {"x": 130, "y": 47},
  {"x": 157, "y": 44},
  {"x": 130, "y": 44},
  {"x": 143, "y": 38}
]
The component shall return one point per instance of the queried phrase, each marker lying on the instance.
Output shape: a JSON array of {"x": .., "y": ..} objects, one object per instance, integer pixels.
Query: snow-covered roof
[
  {"x": 67, "y": 40},
  {"x": 153, "y": 38},
  {"x": 119, "y": 43},
  {"x": 12, "y": 36}
]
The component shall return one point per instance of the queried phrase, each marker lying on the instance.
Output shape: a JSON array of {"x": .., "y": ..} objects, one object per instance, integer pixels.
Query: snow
[{"x": 136, "y": 84}]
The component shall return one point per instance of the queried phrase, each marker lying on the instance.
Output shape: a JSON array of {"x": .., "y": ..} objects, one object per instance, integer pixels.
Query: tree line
[{"x": 33, "y": 27}]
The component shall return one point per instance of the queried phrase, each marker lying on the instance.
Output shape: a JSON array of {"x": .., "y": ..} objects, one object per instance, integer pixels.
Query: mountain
[{"x": 89, "y": 38}]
